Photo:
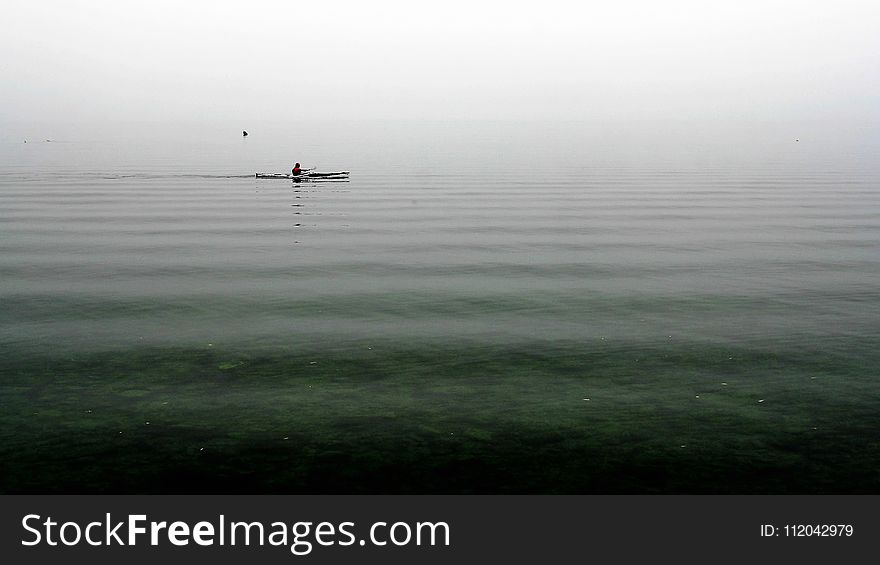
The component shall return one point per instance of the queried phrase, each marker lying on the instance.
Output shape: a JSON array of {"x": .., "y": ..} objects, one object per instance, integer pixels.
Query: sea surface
[{"x": 483, "y": 307}]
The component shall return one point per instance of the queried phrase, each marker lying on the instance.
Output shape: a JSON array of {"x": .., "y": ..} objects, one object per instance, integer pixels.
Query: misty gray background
[{"x": 268, "y": 61}]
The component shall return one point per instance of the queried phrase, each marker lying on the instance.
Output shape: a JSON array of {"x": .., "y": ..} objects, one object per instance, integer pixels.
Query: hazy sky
[{"x": 614, "y": 59}]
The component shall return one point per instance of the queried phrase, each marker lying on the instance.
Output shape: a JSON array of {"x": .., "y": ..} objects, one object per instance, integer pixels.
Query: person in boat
[{"x": 296, "y": 170}]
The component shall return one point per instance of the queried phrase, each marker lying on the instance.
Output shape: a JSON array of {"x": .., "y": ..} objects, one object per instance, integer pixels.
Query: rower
[
  {"x": 296, "y": 170},
  {"x": 244, "y": 134}
]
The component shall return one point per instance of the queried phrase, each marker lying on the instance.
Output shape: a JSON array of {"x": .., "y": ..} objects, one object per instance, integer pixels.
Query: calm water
[{"x": 484, "y": 307}]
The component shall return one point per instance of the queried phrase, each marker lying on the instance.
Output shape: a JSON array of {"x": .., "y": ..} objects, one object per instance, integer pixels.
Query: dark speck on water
[{"x": 577, "y": 308}]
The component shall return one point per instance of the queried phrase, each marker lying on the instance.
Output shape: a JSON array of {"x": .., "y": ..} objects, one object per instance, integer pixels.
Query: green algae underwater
[{"x": 584, "y": 418}]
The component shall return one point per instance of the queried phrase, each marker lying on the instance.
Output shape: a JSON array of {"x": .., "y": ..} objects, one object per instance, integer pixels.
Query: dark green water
[{"x": 482, "y": 308}]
